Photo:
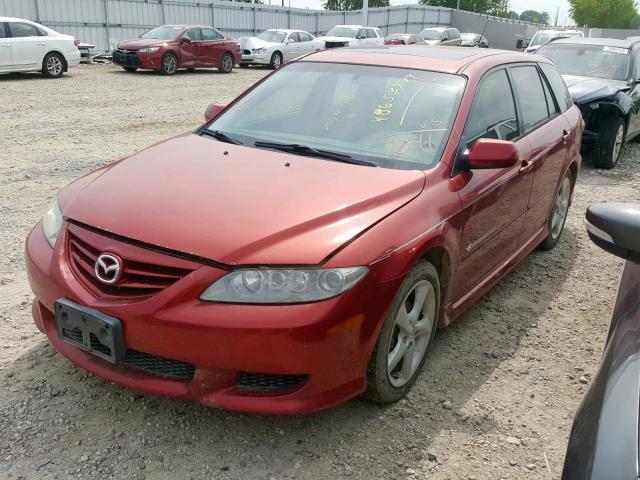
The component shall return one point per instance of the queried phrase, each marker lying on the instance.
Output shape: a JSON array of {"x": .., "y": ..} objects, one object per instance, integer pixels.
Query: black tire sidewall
[
  {"x": 45, "y": 70},
  {"x": 379, "y": 387},
  {"x": 605, "y": 144}
]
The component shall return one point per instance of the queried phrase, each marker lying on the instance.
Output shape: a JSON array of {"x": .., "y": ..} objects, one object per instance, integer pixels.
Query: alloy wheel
[
  {"x": 227, "y": 63},
  {"x": 276, "y": 61},
  {"x": 170, "y": 64},
  {"x": 54, "y": 66},
  {"x": 412, "y": 330},
  {"x": 560, "y": 208},
  {"x": 617, "y": 146}
]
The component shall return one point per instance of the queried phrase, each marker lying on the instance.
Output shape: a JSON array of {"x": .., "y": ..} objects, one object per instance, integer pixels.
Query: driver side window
[{"x": 493, "y": 113}]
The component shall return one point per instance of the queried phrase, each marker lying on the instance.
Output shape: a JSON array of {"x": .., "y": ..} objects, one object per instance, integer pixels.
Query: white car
[
  {"x": 353, "y": 36},
  {"x": 543, "y": 37},
  {"x": 27, "y": 46},
  {"x": 275, "y": 47}
]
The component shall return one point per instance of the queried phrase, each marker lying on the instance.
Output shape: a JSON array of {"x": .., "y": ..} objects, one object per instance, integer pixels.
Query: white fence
[{"x": 104, "y": 23}]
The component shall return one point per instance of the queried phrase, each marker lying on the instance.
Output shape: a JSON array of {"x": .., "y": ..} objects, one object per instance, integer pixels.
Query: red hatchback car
[
  {"x": 303, "y": 245},
  {"x": 170, "y": 47}
]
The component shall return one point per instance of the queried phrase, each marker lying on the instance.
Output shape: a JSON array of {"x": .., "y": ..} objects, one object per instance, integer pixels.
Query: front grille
[
  {"x": 126, "y": 58},
  {"x": 164, "y": 367},
  {"x": 139, "y": 278},
  {"x": 266, "y": 384},
  {"x": 246, "y": 52}
]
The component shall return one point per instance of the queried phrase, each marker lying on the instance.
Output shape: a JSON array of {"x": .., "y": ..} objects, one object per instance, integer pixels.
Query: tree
[
  {"x": 603, "y": 13},
  {"x": 499, "y": 8},
  {"x": 514, "y": 15},
  {"x": 352, "y": 4},
  {"x": 534, "y": 16}
]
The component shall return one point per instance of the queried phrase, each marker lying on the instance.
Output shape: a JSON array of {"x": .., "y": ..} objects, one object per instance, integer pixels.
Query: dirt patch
[{"x": 495, "y": 399}]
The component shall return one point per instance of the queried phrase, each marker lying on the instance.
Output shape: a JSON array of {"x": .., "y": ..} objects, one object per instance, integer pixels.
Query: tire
[
  {"x": 276, "y": 61},
  {"x": 559, "y": 211},
  {"x": 53, "y": 65},
  {"x": 169, "y": 65},
  {"x": 244, "y": 65},
  {"x": 130, "y": 69},
  {"x": 388, "y": 378},
  {"x": 609, "y": 143},
  {"x": 226, "y": 64}
]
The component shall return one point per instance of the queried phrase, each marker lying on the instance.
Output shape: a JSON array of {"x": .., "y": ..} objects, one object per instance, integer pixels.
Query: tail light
[{"x": 76, "y": 42}]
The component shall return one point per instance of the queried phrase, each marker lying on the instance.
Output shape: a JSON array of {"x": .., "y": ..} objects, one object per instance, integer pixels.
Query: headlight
[
  {"x": 52, "y": 222},
  {"x": 295, "y": 285},
  {"x": 259, "y": 50},
  {"x": 149, "y": 50}
]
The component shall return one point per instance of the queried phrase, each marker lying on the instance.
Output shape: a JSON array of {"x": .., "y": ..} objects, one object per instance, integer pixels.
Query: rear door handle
[{"x": 527, "y": 166}]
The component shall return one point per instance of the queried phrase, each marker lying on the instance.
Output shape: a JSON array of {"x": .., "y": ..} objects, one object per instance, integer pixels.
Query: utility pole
[
  {"x": 365, "y": 12},
  {"x": 557, "y": 13},
  {"x": 458, "y": 7}
]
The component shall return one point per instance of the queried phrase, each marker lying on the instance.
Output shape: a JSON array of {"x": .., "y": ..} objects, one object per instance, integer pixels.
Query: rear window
[
  {"x": 558, "y": 86},
  {"x": 530, "y": 93}
]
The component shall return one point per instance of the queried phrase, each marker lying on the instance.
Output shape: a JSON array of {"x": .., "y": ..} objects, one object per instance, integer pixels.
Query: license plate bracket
[{"x": 90, "y": 330}]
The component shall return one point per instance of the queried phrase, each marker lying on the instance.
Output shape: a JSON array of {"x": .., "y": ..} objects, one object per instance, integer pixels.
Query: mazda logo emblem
[{"x": 108, "y": 268}]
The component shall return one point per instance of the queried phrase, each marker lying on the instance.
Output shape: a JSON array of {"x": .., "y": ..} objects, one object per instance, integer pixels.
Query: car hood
[
  {"x": 251, "y": 43},
  {"x": 138, "y": 43},
  {"x": 586, "y": 89},
  {"x": 237, "y": 205},
  {"x": 337, "y": 39}
]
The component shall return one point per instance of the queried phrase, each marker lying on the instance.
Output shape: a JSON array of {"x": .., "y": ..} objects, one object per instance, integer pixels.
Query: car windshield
[
  {"x": 393, "y": 117},
  {"x": 272, "y": 36},
  {"x": 589, "y": 60},
  {"x": 163, "y": 33},
  {"x": 346, "y": 32}
]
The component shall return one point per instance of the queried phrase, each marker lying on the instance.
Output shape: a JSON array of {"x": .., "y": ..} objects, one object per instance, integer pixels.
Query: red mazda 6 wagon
[{"x": 303, "y": 245}]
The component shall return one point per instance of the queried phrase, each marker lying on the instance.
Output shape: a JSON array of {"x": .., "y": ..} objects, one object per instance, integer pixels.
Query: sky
[{"x": 517, "y": 5}]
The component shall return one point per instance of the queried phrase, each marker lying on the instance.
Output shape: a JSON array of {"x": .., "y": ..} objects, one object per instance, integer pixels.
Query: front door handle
[
  {"x": 6, "y": 45},
  {"x": 565, "y": 136},
  {"x": 42, "y": 43},
  {"x": 527, "y": 166}
]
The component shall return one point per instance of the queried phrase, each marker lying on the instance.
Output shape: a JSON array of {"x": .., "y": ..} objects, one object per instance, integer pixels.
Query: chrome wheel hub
[
  {"x": 170, "y": 64},
  {"x": 560, "y": 208},
  {"x": 414, "y": 323},
  {"x": 54, "y": 65}
]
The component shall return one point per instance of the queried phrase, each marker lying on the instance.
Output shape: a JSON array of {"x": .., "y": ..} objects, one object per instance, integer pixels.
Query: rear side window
[
  {"x": 557, "y": 85},
  {"x": 304, "y": 37},
  {"x": 530, "y": 92},
  {"x": 294, "y": 38},
  {"x": 3, "y": 34},
  {"x": 493, "y": 113},
  {"x": 454, "y": 34},
  {"x": 210, "y": 34},
  {"x": 551, "y": 106},
  {"x": 23, "y": 30}
]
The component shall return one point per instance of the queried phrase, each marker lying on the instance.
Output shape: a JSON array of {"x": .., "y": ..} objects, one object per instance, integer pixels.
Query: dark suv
[{"x": 602, "y": 75}]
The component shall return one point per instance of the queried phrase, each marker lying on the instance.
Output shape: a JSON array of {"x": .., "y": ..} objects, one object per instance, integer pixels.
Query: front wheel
[
  {"x": 53, "y": 65},
  {"x": 406, "y": 335},
  {"x": 226, "y": 64},
  {"x": 559, "y": 211},
  {"x": 169, "y": 64},
  {"x": 276, "y": 61},
  {"x": 609, "y": 143}
]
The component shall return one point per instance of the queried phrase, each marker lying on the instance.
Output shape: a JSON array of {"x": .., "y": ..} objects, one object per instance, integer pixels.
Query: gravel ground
[{"x": 495, "y": 399}]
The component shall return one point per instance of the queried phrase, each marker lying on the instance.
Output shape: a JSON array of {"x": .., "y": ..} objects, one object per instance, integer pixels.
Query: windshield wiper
[
  {"x": 220, "y": 136},
  {"x": 314, "y": 152}
]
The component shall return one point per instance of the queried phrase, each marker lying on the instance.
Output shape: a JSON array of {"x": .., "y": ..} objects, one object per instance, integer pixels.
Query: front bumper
[
  {"x": 134, "y": 59},
  {"x": 329, "y": 342},
  {"x": 255, "y": 59}
]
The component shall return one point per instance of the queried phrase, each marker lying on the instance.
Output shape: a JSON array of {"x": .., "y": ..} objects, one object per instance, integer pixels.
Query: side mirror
[
  {"x": 213, "y": 110},
  {"x": 615, "y": 227},
  {"x": 520, "y": 44},
  {"x": 489, "y": 153},
  {"x": 185, "y": 40}
]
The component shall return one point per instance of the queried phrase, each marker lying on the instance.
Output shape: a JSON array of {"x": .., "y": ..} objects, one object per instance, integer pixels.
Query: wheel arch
[
  {"x": 65, "y": 64},
  {"x": 439, "y": 257}
]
